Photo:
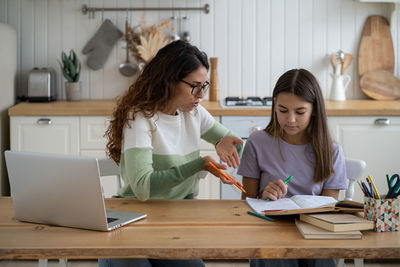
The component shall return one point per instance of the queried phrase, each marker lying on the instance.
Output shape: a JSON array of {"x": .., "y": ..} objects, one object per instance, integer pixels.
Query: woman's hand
[
  {"x": 227, "y": 152},
  {"x": 209, "y": 168},
  {"x": 275, "y": 190}
]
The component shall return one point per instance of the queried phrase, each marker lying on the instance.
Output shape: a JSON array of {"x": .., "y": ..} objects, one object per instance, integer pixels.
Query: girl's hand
[
  {"x": 222, "y": 167},
  {"x": 275, "y": 190},
  {"x": 227, "y": 152}
]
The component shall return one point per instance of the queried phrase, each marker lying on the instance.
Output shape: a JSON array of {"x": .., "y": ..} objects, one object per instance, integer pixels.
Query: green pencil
[
  {"x": 286, "y": 181},
  {"x": 260, "y": 216}
]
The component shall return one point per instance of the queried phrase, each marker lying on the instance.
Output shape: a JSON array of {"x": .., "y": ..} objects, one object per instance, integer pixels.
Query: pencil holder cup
[{"x": 384, "y": 213}]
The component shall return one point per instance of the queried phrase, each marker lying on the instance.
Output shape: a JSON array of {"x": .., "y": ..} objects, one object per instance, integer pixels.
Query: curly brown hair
[
  {"x": 303, "y": 84},
  {"x": 152, "y": 89}
]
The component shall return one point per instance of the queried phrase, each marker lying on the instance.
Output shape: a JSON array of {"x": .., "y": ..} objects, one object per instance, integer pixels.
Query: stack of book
[{"x": 332, "y": 226}]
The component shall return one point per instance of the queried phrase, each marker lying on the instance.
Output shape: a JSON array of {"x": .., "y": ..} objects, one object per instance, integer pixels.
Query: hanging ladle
[{"x": 127, "y": 68}]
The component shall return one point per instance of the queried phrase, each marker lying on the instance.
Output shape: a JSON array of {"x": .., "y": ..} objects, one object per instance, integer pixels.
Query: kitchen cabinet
[
  {"x": 372, "y": 139},
  {"x": 209, "y": 187},
  {"x": 93, "y": 143},
  {"x": 54, "y": 134},
  {"x": 84, "y": 135}
]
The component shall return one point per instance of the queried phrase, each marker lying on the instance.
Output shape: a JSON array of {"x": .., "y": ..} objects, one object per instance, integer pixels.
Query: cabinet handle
[
  {"x": 45, "y": 121},
  {"x": 382, "y": 122}
]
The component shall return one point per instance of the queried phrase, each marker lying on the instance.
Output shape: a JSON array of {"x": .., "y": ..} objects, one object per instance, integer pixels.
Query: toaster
[{"x": 41, "y": 85}]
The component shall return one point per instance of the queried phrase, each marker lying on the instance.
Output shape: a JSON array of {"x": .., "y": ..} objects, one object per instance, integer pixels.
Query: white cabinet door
[
  {"x": 56, "y": 134},
  {"x": 372, "y": 139},
  {"x": 92, "y": 131},
  {"x": 93, "y": 143},
  {"x": 209, "y": 187}
]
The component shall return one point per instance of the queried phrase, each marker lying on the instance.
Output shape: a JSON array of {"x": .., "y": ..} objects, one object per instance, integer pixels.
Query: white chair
[{"x": 354, "y": 169}]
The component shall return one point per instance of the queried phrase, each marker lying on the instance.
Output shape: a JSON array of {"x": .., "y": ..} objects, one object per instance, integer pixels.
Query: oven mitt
[{"x": 99, "y": 47}]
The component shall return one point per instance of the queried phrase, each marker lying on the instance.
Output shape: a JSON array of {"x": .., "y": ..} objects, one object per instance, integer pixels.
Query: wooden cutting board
[
  {"x": 380, "y": 85},
  {"x": 376, "y": 48}
]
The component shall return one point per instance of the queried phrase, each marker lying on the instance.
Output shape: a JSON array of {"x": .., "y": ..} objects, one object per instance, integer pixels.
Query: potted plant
[{"x": 71, "y": 69}]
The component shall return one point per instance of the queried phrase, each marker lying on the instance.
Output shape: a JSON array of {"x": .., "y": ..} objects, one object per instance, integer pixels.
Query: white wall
[{"x": 255, "y": 40}]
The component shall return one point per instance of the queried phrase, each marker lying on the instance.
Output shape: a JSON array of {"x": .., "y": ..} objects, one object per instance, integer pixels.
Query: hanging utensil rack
[{"x": 92, "y": 10}]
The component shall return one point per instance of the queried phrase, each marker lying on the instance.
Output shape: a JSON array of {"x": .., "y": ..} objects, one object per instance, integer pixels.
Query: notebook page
[
  {"x": 259, "y": 205},
  {"x": 309, "y": 201}
]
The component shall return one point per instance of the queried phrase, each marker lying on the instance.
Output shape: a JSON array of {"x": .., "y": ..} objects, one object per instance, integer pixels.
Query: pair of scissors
[{"x": 394, "y": 186}]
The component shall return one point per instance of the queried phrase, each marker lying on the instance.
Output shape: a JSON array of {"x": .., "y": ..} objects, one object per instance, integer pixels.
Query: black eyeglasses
[{"x": 196, "y": 89}]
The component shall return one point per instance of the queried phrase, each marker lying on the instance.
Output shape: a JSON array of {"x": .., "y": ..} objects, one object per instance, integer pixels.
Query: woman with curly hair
[{"x": 156, "y": 130}]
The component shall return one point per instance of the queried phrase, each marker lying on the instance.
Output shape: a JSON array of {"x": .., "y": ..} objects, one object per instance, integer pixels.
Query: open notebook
[{"x": 302, "y": 204}]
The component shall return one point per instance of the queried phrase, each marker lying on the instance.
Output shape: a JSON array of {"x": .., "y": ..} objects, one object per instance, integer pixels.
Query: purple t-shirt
[{"x": 262, "y": 159}]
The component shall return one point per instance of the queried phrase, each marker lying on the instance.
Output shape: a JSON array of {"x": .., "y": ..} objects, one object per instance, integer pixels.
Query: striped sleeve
[{"x": 145, "y": 182}]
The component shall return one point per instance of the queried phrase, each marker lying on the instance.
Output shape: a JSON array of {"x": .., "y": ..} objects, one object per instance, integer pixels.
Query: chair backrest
[
  {"x": 108, "y": 167},
  {"x": 354, "y": 170}
]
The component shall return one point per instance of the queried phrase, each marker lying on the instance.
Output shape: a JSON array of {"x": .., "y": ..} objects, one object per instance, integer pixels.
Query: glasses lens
[
  {"x": 205, "y": 87},
  {"x": 196, "y": 90}
]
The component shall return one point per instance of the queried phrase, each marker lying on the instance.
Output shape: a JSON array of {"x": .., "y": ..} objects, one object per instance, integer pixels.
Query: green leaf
[
  {"x": 77, "y": 77},
  {"x": 67, "y": 76},
  {"x": 78, "y": 67},
  {"x": 63, "y": 56},
  {"x": 71, "y": 68}
]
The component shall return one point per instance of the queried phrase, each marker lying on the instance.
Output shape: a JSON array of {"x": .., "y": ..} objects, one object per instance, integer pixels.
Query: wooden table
[{"x": 207, "y": 229}]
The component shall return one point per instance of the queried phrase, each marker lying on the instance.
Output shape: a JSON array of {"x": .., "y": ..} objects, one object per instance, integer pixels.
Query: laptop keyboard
[{"x": 110, "y": 220}]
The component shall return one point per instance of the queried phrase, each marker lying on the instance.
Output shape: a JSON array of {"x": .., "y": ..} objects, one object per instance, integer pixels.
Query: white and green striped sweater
[{"x": 161, "y": 155}]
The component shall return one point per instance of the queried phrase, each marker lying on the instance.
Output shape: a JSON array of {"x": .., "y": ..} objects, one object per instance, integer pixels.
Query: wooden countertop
[
  {"x": 181, "y": 229},
  {"x": 105, "y": 108}
]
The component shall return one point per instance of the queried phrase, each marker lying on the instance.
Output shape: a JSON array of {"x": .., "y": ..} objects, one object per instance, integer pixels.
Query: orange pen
[{"x": 226, "y": 176}]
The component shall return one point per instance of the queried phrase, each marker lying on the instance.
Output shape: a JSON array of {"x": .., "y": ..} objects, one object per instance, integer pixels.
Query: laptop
[{"x": 61, "y": 190}]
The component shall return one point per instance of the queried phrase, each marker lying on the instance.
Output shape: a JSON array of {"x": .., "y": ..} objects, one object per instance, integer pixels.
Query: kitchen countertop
[{"x": 105, "y": 108}]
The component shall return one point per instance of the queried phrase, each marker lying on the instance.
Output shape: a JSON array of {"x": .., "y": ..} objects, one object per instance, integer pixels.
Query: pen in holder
[{"x": 384, "y": 213}]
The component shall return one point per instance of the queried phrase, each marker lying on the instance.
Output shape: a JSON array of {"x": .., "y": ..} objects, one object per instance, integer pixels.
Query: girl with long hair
[{"x": 296, "y": 141}]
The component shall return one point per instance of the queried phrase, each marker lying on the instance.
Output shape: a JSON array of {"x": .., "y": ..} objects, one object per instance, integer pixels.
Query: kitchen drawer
[
  {"x": 47, "y": 134},
  {"x": 245, "y": 125},
  {"x": 92, "y": 132}
]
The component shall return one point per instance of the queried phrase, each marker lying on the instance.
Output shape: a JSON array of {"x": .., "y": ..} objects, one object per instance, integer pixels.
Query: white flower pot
[{"x": 73, "y": 91}]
